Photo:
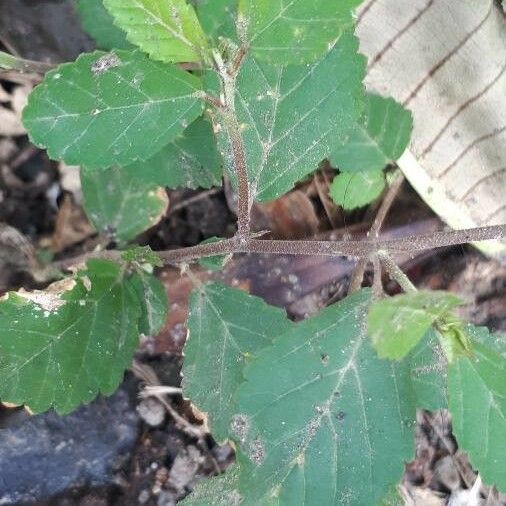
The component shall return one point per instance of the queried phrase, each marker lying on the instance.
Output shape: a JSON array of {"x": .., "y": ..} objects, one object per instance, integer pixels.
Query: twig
[
  {"x": 357, "y": 248},
  {"x": 396, "y": 272},
  {"x": 328, "y": 205},
  {"x": 238, "y": 59},
  {"x": 183, "y": 424},
  {"x": 153, "y": 390},
  {"x": 358, "y": 275},
  {"x": 11, "y": 62},
  {"x": 24, "y": 78},
  {"x": 212, "y": 100},
  {"x": 390, "y": 195},
  {"x": 243, "y": 187},
  {"x": 388, "y": 200},
  {"x": 236, "y": 146},
  {"x": 191, "y": 200},
  {"x": 377, "y": 285},
  {"x": 150, "y": 378},
  {"x": 23, "y": 156}
]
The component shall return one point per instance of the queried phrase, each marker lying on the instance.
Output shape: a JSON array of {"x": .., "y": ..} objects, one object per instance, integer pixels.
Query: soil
[{"x": 158, "y": 449}]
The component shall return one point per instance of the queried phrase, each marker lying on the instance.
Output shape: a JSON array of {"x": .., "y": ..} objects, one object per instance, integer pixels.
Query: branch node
[{"x": 396, "y": 272}]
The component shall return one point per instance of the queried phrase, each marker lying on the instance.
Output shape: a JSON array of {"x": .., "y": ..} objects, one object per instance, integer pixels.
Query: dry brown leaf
[
  {"x": 445, "y": 60},
  {"x": 292, "y": 216},
  {"x": 49, "y": 299},
  {"x": 71, "y": 227}
]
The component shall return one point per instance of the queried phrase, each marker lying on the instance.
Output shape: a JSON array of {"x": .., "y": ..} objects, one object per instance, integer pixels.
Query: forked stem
[
  {"x": 389, "y": 198},
  {"x": 11, "y": 62},
  {"x": 357, "y": 249},
  {"x": 396, "y": 272},
  {"x": 238, "y": 153}
]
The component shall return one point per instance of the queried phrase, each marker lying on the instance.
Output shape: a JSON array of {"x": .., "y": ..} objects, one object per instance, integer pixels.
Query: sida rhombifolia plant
[{"x": 320, "y": 412}]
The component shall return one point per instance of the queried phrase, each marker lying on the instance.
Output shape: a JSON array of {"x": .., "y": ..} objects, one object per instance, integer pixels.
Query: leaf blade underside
[
  {"x": 120, "y": 206},
  {"x": 189, "y": 161}
]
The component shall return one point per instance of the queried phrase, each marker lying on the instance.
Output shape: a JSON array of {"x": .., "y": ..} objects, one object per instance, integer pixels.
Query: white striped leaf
[
  {"x": 291, "y": 118},
  {"x": 167, "y": 30},
  {"x": 110, "y": 108},
  {"x": 61, "y": 349},
  {"x": 477, "y": 402},
  {"x": 227, "y": 327},
  {"x": 319, "y": 411}
]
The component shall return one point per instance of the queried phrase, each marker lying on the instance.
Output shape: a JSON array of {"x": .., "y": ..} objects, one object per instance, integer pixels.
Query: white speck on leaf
[{"x": 104, "y": 63}]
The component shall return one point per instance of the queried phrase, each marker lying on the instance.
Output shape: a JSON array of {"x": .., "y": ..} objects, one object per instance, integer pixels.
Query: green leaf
[
  {"x": 392, "y": 498},
  {"x": 119, "y": 205},
  {"x": 167, "y": 30},
  {"x": 317, "y": 415},
  {"x": 396, "y": 324},
  {"x": 63, "y": 349},
  {"x": 227, "y": 327},
  {"x": 428, "y": 370},
  {"x": 351, "y": 190},
  {"x": 217, "y": 17},
  {"x": 154, "y": 302},
  {"x": 142, "y": 255},
  {"x": 482, "y": 335},
  {"x": 97, "y": 21},
  {"x": 378, "y": 138},
  {"x": 295, "y": 31},
  {"x": 477, "y": 401},
  {"x": 219, "y": 490},
  {"x": 214, "y": 263},
  {"x": 292, "y": 118},
  {"x": 189, "y": 161},
  {"x": 454, "y": 336},
  {"x": 110, "y": 108}
]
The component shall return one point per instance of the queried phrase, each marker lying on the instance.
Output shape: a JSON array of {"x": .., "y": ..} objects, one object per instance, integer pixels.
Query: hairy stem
[
  {"x": 243, "y": 190},
  {"x": 11, "y": 62},
  {"x": 357, "y": 248},
  {"x": 238, "y": 153},
  {"x": 396, "y": 272},
  {"x": 389, "y": 198},
  {"x": 377, "y": 286}
]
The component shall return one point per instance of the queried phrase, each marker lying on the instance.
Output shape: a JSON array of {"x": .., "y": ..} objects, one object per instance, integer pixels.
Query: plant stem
[
  {"x": 396, "y": 272},
  {"x": 233, "y": 129},
  {"x": 243, "y": 193},
  {"x": 191, "y": 200},
  {"x": 357, "y": 248},
  {"x": 214, "y": 101},
  {"x": 11, "y": 62},
  {"x": 239, "y": 57},
  {"x": 377, "y": 285},
  {"x": 389, "y": 198}
]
